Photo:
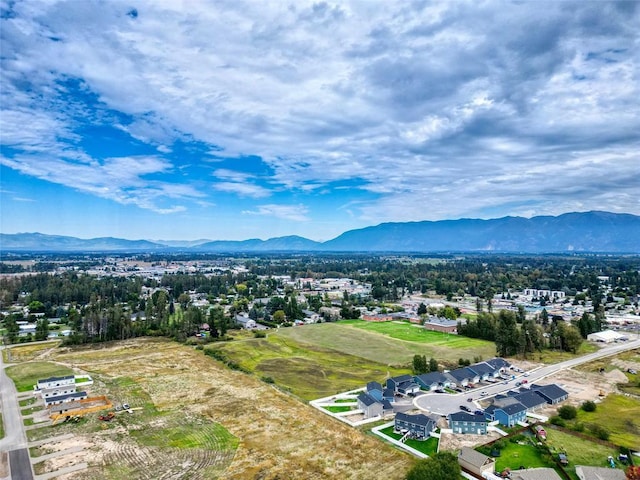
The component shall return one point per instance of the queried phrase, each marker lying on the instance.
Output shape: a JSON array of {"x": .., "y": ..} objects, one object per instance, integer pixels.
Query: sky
[{"x": 229, "y": 120}]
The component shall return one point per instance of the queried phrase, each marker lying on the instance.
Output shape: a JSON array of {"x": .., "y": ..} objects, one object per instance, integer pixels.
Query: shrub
[
  {"x": 588, "y": 406},
  {"x": 267, "y": 379},
  {"x": 578, "y": 427},
  {"x": 556, "y": 420},
  {"x": 567, "y": 412},
  {"x": 259, "y": 334},
  {"x": 599, "y": 431}
]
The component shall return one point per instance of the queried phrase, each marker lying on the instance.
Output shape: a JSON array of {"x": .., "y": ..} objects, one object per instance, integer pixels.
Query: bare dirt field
[{"x": 184, "y": 400}]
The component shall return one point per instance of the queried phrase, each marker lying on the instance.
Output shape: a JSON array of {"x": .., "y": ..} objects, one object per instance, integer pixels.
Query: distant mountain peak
[{"x": 594, "y": 231}]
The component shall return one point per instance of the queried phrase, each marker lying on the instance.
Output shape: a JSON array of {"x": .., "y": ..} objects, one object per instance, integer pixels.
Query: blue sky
[{"x": 235, "y": 120}]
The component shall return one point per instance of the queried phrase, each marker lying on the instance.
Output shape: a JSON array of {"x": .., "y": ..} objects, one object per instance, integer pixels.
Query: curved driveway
[{"x": 444, "y": 404}]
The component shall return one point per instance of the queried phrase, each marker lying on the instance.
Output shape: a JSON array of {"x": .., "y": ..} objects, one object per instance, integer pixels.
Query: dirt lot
[{"x": 279, "y": 437}]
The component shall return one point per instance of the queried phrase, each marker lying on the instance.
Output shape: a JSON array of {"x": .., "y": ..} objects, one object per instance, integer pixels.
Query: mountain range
[{"x": 594, "y": 231}]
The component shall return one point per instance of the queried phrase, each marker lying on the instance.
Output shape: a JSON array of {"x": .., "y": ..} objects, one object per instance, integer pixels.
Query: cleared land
[
  {"x": 198, "y": 419},
  {"x": 306, "y": 370},
  {"x": 29, "y": 351},
  {"x": 388, "y": 342}
]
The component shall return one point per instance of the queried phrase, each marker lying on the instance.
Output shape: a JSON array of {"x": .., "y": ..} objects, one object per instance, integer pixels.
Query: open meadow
[
  {"x": 195, "y": 418},
  {"x": 308, "y": 371},
  {"x": 390, "y": 342}
]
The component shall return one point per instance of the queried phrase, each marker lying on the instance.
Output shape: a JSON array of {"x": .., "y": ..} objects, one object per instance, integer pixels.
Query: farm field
[
  {"x": 197, "y": 419},
  {"x": 306, "y": 370},
  {"x": 389, "y": 343}
]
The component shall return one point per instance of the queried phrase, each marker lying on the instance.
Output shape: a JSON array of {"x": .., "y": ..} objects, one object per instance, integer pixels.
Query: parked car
[
  {"x": 525, "y": 381},
  {"x": 518, "y": 384},
  {"x": 469, "y": 399},
  {"x": 479, "y": 412},
  {"x": 465, "y": 408},
  {"x": 483, "y": 394}
]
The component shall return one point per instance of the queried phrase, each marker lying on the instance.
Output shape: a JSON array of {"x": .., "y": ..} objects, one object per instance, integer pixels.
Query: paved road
[
  {"x": 20, "y": 465},
  {"x": 15, "y": 440},
  {"x": 444, "y": 404}
]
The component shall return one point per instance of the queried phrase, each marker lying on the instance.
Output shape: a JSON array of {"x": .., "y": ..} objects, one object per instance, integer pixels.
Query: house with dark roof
[
  {"x": 432, "y": 380},
  {"x": 389, "y": 395},
  {"x": 475, "y": 462},
  {"x": 53, "y": 382},
  {"x": 484, "y": 370},
  {"x": 499, "y": 364},
  {"x": 508, "y": 415},
  {"x": 553, "y": 394},
  {"x": 370, "y": 406},
  {"x": 375, "y": 390},
  {"x": 531, "y": 400},
  {"x": 57, "y": 391},
  {"x": 463, "y": 422},
  {"x": 419, "y": 425},
  {"x": 403, "y": 385},
  {"x": 70, "y": 397},
  {"x": 463, "y": 376}
]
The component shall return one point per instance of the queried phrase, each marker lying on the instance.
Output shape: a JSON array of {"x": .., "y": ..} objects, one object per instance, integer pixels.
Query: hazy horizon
[{"x": 231, "y": 121}]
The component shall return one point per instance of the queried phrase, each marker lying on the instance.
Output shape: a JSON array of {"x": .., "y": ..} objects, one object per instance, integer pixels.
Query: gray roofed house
[
  {"x": 535, "y": 474},
  {"x": 599, "y": 473},
  {"x": 432, "y": 380},
  {"x": 388, "y": 394},
  {"x": 370, "y": 406},
  {"x": 462, "y": 422},
  {"x": 403, "y": 384},
  {"x": 475, "y": 462},
  {"x": 419, "y": 425},
  {"x": 531, "y": 400},
  {"x": 484, "y": 370},
  {"x": 498, "y": 363},
  {"x": 552, "y": 393},
  {"x": 464, "y": 375},
  {"x": 69, "y": 397}
]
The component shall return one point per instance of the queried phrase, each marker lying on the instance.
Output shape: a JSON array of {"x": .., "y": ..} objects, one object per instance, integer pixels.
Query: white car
[{"x": 483, "y": 394}]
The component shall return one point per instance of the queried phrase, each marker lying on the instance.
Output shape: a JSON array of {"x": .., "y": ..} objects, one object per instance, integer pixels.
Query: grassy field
[
  {"x": 555, "y": 356},
  {"x": 389, "y": 343},
  {"x": 579, "y": 451},
  {"x": 308, "y": 371},
  {"x": 624, "y": 423},
  {"x": 428, "y": 447},
  {"x": 26, "y": 375},
  {"x": 200, "y": 420}
]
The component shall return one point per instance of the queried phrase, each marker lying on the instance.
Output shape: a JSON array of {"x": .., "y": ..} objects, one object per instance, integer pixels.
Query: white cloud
[
  {"x": 296, "y": 213},
  {"x": 456, "y": 107}
]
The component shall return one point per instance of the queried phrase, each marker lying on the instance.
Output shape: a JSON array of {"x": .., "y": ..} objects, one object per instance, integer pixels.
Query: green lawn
[
  {"x": 26, "y": 375},
  {"x": 373, "y": 341},
  {"x": 618, "y": 414},
  {"x": 428, "y": 447},
  {"x": 308, "y": 371},
  {"x": 336, "y": 409},
  {"x": 523, "y": 454}
]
